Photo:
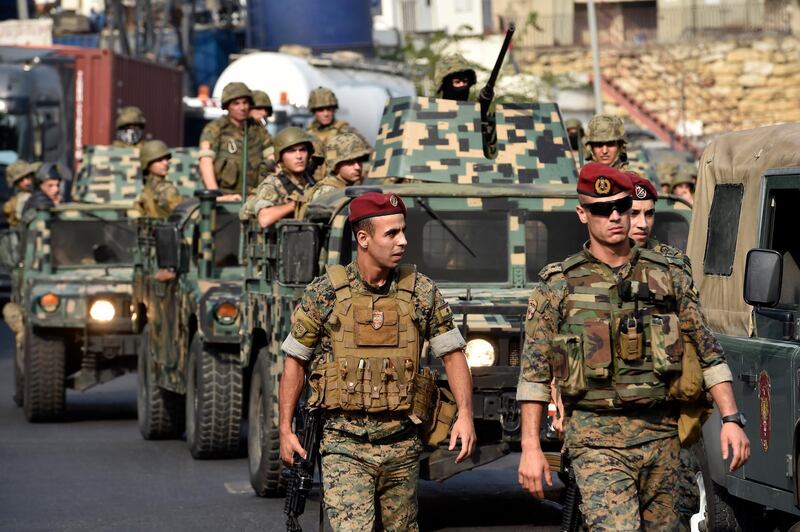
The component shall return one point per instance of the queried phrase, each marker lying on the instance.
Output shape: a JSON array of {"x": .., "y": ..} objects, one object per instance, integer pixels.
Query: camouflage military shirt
[
  {"x": 158, "y": 197},
  {"x": 276, "y": 189},
  {"x": 311, "y": 343},
  {"x": 325, "y": 133},
  {"x": 119, "y": 144},
  {"x": 227, "y": 143},
  {"x": 12, "y": 209},
  {"x": 619, "y": 426},
  {"x": 674, "y": 254}
]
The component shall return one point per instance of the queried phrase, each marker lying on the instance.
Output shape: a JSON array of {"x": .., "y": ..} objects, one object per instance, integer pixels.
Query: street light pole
[{"x": 598, "y": 98}]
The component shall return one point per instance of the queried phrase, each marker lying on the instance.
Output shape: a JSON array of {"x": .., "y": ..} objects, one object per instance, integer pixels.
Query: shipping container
[{"x": 105, "y": 82}]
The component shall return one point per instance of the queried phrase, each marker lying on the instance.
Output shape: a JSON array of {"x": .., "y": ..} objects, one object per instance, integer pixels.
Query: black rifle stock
[
  {"x": 300, "y": 477},
  {"x": 486, "y": 96},
  {"x": 570, "y": 511}
]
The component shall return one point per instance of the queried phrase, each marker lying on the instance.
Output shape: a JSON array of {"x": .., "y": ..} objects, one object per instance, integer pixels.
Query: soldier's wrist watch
[{"x": 737, "y": 418}]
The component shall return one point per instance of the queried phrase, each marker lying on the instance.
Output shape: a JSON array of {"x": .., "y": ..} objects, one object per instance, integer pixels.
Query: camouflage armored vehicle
[
  {"x": 745, "y": 253},
  {"x": 481, "y": 228},
  {"x": 189, "y": 369}
]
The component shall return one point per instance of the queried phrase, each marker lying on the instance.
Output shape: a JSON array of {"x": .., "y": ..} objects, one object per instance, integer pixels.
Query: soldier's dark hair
[{"x": 364, "y": 225}]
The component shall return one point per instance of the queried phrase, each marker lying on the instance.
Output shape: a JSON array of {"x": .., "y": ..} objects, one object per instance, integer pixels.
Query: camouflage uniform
[
  {"x": 369, "y": 456},
  {"x": 326, "y": 133},
  {"x": 276, "y": 189},
  {"x": 158, "y": 198},
  {"x": 12, "y": 209},
  {"x": 620, "y": 430},
  {"x": 227, "y": 143},
  {"x": 605, "y": 128},
  {"x": 342, "y": 148}
]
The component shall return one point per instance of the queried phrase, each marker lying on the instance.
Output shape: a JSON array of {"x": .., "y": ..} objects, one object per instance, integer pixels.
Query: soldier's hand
[
  {"x": 464, "y": 430},
  {"x": 230, "y": 197},
  {"x": 533, "y": 468},
  {"x": 289, "y": 446},
  {"x": 731, "y": 435}
]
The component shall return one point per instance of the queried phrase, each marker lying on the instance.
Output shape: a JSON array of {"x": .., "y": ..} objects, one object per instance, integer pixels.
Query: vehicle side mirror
[
  {"x": 298, "y": 255},
  {"x": 762, "y": 277},
  {"x": 171, "y": 253}
]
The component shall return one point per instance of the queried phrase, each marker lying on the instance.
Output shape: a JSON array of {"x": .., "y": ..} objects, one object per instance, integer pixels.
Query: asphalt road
[{"x": 94, "y": 472}]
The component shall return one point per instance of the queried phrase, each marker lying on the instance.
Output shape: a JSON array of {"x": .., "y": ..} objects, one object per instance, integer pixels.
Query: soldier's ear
[
  {"x": 361, "y": 238},
  {"x": 582, "y": 214}
]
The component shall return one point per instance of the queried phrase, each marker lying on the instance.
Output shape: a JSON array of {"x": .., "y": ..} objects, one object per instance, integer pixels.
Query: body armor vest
[
  {"x": 619, "y": 343},
  {"x": 376, "y": 347}
]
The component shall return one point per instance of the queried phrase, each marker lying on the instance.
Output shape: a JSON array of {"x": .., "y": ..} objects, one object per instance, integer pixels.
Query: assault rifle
[
  {"x": 300, "y": 476},
  {"x": 570, "y": 510},
  {"x": 485, "y": 97}
]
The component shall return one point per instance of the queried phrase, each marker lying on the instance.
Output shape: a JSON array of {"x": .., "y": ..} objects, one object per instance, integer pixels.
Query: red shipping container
[{"x": 106, "y": 82}]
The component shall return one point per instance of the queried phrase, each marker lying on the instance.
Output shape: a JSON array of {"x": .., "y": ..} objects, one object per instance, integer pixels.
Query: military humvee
[
  {"x": 189, "y": 363},
  {"x": 481, "y": 228},
  {"x": 745, "y": 253}
]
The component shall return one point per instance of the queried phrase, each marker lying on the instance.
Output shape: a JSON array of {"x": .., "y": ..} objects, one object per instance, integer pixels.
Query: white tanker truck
[{"x": 361, "y": 86}]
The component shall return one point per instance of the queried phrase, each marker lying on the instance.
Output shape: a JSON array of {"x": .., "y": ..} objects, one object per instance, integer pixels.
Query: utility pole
[
  {"x": 598, "y": 97},
  {"x": 22, "y": 10}
]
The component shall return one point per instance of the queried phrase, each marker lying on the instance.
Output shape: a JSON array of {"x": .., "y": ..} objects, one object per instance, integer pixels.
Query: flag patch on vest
[{"x": 377, "y": 319}]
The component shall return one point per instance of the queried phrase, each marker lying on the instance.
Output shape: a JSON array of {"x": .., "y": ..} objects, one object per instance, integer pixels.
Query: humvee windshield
[
  {"x": 91, "y": 242},
  {"x": 549, "y": 236},
  {"x": 226, "y": 239}
]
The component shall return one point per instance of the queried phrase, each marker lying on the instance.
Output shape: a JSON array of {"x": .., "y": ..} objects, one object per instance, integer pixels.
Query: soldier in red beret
[
  {"x": 610, "y": 325},
  {"x": 358, "y": 332}
]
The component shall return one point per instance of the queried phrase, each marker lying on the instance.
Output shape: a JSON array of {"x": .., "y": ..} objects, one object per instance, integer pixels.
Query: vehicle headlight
[
  {"x": 226, "y": 313},
  {"x": 480, "y": 353},
  {"x": 102, "y": 310},
  {"x": 49, "y": 302}
]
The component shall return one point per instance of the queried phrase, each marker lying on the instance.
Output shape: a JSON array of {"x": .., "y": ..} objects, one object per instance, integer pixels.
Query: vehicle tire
[
  {"x": 19, "y": 383},
  {"x": 723, "y": 511},
  {"x": 45, "y": 381},
  {"x": 263, "y": 442},
  {"x": 213, "y": 402},
  {"x": 160, "y": 412}
]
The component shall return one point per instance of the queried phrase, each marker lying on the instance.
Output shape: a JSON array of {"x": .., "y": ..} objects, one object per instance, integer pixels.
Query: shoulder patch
[{"x": 549, "y": 270}]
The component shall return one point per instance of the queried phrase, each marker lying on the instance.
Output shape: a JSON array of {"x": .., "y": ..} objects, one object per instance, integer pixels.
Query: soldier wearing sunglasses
[{"x": 608, "y": 324}]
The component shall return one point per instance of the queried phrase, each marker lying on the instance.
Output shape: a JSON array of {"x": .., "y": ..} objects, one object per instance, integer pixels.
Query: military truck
[
  {"x": 745, "y": 252},
  {"x": 189, "y": 370},
  {"x": 74, "y": 287},
  {"x": 481, "y": 228}
]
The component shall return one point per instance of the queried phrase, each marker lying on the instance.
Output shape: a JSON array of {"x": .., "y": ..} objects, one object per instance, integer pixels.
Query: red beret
[
  {"x": 643, "y": 188},
  {"x": 374, "y": 204},
  {"x": 600, "y": 181}
]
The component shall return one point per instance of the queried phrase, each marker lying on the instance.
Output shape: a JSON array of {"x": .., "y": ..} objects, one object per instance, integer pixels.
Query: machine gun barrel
[{"x": 486, "y": 94}]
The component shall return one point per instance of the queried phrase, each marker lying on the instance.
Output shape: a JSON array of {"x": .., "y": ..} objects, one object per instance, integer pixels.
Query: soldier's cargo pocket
[
  {"x": 566, "y": 359},
  {"x": 596, "y": 348},
  {"x": 666, "y": 343},
  {"x": 227, "y": 172}
]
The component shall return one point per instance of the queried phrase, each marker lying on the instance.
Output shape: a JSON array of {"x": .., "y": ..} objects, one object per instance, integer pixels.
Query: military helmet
[
  {"x": 345, "y": 147},
  {"x": 604, "y": 128},
  {"x": 152, "y": 150},
  {"x": 18, "y": 170},
  {"x": 687, "y": 174},
  {"x": 291, "y": 136},
  {"x": 234, "y": 90},
  {"x": 666, "y": 172},
  {"x": 453, "y": 64},
  {"x": 48, "y": 171},
  {"x": 322, "y": 97},
  {"x": 261, "y": 100},
  {"x": 130, "y": 116},
  {"x": 573, "y": 123}
]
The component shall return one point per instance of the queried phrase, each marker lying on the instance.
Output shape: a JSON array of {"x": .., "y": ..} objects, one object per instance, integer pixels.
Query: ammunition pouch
[
  {"x": 227, "y": 171},
  {"x": 687, "y": 389}
]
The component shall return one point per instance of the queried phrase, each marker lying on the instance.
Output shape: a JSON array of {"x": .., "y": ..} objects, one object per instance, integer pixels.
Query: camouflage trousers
[
  {"x": 368, "y": 486},
  {"x": 629, "y": 489}
]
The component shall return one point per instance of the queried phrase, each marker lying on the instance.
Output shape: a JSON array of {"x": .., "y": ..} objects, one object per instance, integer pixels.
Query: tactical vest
[
  {"x": 619, "y": 343},
  {"x": 228, "y": 158},
  {"x": 376, "y": 347}
]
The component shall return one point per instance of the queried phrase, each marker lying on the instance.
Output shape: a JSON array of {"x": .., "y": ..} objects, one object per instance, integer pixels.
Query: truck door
[{"x": 767, "y": 375}]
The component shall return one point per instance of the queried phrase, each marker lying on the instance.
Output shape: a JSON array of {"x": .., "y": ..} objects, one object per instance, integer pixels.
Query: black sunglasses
[{"x": 605, "y": 208}]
